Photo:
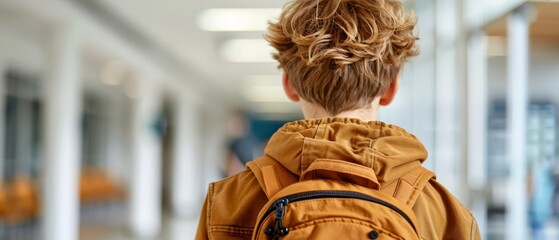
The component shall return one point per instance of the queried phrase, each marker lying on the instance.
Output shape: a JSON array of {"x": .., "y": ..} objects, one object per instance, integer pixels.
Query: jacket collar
[{"x": 388, "y": 149}]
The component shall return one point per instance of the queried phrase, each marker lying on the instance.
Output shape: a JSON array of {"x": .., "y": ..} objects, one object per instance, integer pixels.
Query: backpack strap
[
  {"x": 271, "y": 175},
  {"x": 409, "y": 186}
]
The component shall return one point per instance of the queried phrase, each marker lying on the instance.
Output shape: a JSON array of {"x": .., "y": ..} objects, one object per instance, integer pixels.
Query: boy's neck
[{"x": 367, "y": 114}]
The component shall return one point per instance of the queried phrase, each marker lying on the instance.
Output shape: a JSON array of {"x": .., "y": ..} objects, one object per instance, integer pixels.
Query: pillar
[
  {"x": 477, "y": 127},
  {"x": 145, "y": 185},
  {"x": 423, "y": 80},
  {"x": 60, "y": 201},
  {"x": 186, "y": 164},
  {"x": 477, "y": 113},
  {"x": 446, "y": 95},
  {"x": 517, "y": 106}
]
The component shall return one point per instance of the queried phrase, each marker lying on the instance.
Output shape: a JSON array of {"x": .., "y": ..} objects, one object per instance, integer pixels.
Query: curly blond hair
[{"x": 341, "y": 54}]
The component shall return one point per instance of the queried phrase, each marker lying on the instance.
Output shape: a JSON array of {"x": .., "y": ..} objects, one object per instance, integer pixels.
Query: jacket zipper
[{"x": 278, "y": 230}]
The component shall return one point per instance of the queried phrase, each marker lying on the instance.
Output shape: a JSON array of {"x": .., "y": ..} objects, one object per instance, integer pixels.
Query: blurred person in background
[
  {"x": 239, "y": 147},
  {"x": 541, "y": 198},
  {"x": 341, "y": 60}
]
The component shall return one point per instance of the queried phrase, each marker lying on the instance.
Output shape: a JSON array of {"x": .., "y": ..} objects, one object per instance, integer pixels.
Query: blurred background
[{"x": 115, "y": 115}]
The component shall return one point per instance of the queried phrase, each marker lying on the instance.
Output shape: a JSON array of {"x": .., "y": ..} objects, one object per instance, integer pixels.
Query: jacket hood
[{"x": 389, "y": 150}]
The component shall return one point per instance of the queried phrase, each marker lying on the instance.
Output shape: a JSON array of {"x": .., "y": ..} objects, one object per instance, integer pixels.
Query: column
[
  {"x": 145, "y": 184},
  {"x": 446, "y": 96},
  {"x": 477, "y": 127},
  {"x": 61, "y": 140},
  {"x": 517, "y": 106},
  {"x": 186, "y": 182},
  {"x": 423, "y": 79},
  {"x": 477, "y": 113}
]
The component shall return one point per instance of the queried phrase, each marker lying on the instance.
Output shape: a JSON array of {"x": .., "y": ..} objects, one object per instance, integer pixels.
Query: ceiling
[
  {"x": 545, "y": 25},
  {"x": 172, "y": 26}
]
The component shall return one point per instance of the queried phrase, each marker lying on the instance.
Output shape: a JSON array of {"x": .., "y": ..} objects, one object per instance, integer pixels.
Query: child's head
[{"x": 342, "y": 54}]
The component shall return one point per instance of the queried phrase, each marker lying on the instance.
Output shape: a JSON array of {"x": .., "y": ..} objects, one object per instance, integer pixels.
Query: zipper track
[{"x": 334, "y": 194}]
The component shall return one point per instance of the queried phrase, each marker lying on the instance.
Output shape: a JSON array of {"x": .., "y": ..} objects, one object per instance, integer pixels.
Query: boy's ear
[
  {"x": 289, "y": 90},
  {"x": 390, "y": 93}
]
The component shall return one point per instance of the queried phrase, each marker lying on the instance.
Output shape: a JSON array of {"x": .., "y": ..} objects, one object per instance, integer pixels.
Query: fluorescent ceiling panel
[
  {"x": 247, "y": 50},
  {"x": 236, "y": 19}
]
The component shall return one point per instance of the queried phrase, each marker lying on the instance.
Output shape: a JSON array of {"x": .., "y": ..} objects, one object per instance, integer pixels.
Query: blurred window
[{"x": 22, "y": 125}]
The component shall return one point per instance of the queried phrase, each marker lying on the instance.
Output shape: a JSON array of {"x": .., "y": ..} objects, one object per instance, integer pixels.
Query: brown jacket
[{"x": 232, "y": 205}]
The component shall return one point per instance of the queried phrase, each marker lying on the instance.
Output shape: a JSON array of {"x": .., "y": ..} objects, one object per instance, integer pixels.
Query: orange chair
[
  {"x": 85, "y": 186},
  {"x": 3, "y": 201},
  {"x": 96, "y": 185},
  {"x": 22, "y": 200}
]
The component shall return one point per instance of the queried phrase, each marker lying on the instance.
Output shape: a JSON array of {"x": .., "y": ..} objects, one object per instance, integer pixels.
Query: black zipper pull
[
  {"x": 278, "y": 229},
  {"x": 280, "y": 212}
]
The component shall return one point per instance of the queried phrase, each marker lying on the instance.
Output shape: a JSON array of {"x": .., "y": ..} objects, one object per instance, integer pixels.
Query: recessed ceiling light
[
  {"x": 247, "y": 50},
  {"x": 236, "y": 19}
]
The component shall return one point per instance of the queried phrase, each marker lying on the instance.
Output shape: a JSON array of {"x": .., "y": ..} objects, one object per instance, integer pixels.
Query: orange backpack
[{"x": 335, "y": 199}]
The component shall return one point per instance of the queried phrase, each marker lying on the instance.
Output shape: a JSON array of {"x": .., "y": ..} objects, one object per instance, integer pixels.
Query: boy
[{"x": 341, "y": 60}]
